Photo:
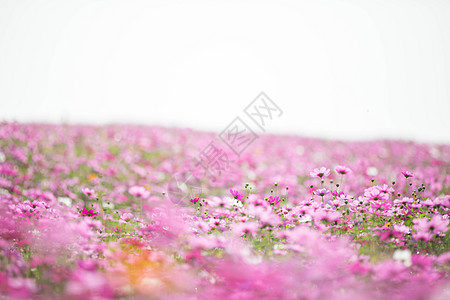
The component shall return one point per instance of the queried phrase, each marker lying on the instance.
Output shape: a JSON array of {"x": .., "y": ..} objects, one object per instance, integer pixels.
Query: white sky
[{"x": 338, "y": 69}]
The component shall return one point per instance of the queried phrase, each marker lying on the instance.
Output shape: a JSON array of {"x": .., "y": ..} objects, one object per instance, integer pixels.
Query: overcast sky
[{"x": 338, "y": 69}]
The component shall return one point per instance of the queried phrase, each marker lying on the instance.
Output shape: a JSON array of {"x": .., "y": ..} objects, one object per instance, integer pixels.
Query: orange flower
[{"x": 92, "y": 177}]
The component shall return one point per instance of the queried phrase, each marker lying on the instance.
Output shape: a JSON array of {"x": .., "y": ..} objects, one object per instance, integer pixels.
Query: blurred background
[{"x": 353, "y": 70}]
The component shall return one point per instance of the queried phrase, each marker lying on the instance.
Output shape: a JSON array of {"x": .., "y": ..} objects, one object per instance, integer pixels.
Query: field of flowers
[{"x": 124, "y": 212}]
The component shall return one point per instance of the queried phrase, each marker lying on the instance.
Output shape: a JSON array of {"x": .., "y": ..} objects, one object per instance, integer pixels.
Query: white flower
[
  {"x": 372, "y": 171},
  {"x": 108, "y": 205},
  {"x": 403, "y": 256},
  {"x": 65, "y": 200}
]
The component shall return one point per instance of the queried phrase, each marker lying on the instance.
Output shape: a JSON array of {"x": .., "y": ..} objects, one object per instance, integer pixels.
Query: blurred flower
[
  {"x": 92, "y": 177},
  {"x": 139, "y": 191},
  {"x": 125, "y": 217},
  {"x": 343, "y": 170},
  {"x": 90, "y": 193},
  {"x": 247, "y": 228},
  {"x": 437, "y": 225},
  {"x": 372, "y": 171},
  {"x": 65, "y": 200},
  {"x": 403, "y": 256}
]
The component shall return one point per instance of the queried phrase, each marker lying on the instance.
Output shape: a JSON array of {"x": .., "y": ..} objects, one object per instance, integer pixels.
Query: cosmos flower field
[{"x": 124, "y": 212}]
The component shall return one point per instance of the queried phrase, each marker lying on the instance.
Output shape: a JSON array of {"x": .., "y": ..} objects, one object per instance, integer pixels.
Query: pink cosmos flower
[
  {"x": 248, "y": 228},
  {"x": 336, "y": 203},
  {"x": 322, "y": 192},
  {"x": 203, "y": 242},
  {"x": 426, "y": 229},
  {"x": 194, "y": 200},
  {"x": 385, "y": 189},
  {"x": 387, "y": 235},
  {"x": 236, "y": 195},
  {"x": 405, "y": 200},
  {"x": 322, "y": 172},
  {"x": 90, "y": 193},
  {"x": 328, "y": 216},
  {"x": 428, "y": 202},
  {"x": 377, "y": 205},
  {"x": 375, "y": 193},
  {"x": 139, "y": 191},
  {"x": 342, "y": 170},
  {"x": 407, "y": 174},
  {"x": 422, "y": 236},
  {"x": 438, "y": 225},
  {"x": 125, "y": 218}
]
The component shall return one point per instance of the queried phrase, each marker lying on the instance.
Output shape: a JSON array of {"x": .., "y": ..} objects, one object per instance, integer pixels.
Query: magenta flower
[
  {"x": 88, "y": 213},
  {"x": 322, "y": 172},
  {"x": 337, "y": 194},
  {"x": 194, "y": 200},
  {"x": 236, "y": 195},
  {"x": 387, "y": 235},
  {"x": 274, "y": 200},
  {"x": 342, "y": 170},
  {"x": 407, "y": 174}
]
